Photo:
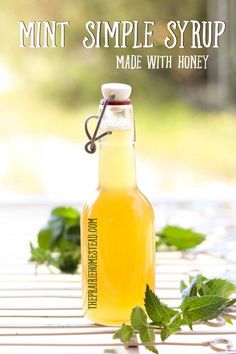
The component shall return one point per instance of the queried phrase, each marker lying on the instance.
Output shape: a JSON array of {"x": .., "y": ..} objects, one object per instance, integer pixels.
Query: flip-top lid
[{"x": 121, "y": 92}]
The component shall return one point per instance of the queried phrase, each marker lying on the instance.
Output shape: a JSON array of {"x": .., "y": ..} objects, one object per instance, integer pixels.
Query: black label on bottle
[{"x": 92, "y": 263}]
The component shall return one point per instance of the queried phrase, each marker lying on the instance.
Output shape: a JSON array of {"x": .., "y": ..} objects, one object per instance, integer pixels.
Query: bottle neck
[
  {"x": 117, "y": 156},
  {"x": 117, "y": 168}
]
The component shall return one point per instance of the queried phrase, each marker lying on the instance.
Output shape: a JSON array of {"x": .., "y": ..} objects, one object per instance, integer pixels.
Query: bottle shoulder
[
  {"x": 119, "y": 202},
  {"x": 143, "y": 197}
]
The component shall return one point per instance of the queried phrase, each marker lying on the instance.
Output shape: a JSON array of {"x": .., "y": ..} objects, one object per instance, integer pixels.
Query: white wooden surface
[{"x": 41, "y": 313}]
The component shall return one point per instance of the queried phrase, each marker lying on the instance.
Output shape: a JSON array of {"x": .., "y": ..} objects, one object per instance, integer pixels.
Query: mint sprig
[
  {"x": 203, "y": 299},
  {"x": 59, "y": 241}
]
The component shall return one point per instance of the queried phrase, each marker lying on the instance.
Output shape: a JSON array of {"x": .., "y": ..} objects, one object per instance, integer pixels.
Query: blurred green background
[{"x": 185, "y": 119}]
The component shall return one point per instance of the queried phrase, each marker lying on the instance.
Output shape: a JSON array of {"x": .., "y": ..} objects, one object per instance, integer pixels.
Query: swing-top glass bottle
[{"x": 117, "y": 223}]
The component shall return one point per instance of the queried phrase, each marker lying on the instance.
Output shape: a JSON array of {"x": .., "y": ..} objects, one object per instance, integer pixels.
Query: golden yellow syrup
[{"x": 118, "y": 245}]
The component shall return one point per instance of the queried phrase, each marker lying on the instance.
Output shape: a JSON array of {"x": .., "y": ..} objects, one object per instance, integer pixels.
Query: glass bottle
[{"x": 117, "y": 222}]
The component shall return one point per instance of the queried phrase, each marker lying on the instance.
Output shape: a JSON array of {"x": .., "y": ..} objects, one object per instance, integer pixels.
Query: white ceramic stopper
[{"x": 121, "y": 91}]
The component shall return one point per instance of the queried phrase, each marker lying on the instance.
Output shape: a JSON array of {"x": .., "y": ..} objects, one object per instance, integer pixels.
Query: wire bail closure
[{"x": 90, "y": 146}]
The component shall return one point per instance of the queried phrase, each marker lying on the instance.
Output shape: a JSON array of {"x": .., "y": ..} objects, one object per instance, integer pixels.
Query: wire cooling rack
[{"x": 40, "y": 309}]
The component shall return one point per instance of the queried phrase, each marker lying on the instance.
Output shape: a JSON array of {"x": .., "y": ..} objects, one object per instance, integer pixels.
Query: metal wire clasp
[{"x": 90, "y": 146}]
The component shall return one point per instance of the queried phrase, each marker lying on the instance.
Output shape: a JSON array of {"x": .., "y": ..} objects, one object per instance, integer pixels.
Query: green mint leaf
[
  {"x": 200, "y": 281},
  {"x": 155, "y": 310},
  {"x": 147, "y": 335},
  {"x": 206, "y": 307},
  {"x": 138, "y": 318},
  {"x": 72, "y": 234},
  {"x": 180, "y": 237},
  {"x": 229, "y": 302},
  {"x": 228, "y": 320},
  {"x": 66, "y": 212},
  {"x": 124, "y": 333},
  {"x": 38, "y": 254},
  {"x": 218, "y": 286},
  {"x": 171, "y": 312},
  {"x": 56, "y": 225},
  {"x": 68, "y": 261},
  {"x": 41, "y": 256},
  {"x": 191, "y": 290},
  {"x": 195, "y": 284},
  {"x": 173, "y": 326},
  {"x": 167, "y": 331},
  {"x": 182, "y": 286},
  {"x": 45, "y": 238},
  {"x": 201, "y": 278}
]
